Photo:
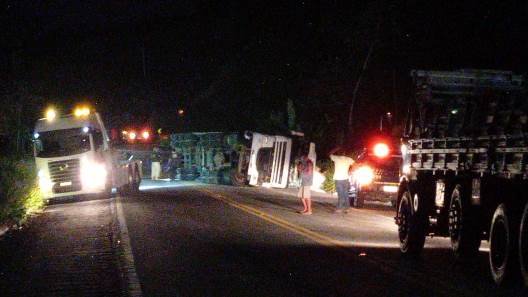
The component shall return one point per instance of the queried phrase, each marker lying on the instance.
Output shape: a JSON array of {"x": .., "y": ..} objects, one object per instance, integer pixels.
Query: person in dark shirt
[{"x": 155, "y": 158}]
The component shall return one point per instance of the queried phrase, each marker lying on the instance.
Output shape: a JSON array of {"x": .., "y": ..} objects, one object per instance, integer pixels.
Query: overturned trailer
[{"x": 240, "y": 158}]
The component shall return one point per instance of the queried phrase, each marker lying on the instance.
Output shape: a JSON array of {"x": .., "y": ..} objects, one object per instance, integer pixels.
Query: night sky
[{"x": 235, "y": 65}]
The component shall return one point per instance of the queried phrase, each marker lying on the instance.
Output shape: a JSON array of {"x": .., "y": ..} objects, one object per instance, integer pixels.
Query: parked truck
[
  {"x": 377, "y": 167},
  {"x": 74, "y": 156},
  {"x": 465, "y": 156},
  {"x": 376, "y": 171}
]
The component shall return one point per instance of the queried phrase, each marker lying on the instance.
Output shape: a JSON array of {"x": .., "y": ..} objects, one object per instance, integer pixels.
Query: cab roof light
[
  {"x": 51, "y": 114},
  {"x": 81, "y": 112}
]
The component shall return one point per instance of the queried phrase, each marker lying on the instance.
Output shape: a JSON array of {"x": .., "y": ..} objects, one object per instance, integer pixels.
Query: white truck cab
[{"x": 73, "y": 156}]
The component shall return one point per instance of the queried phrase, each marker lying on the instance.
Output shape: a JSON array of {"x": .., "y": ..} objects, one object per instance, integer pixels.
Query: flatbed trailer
[{"x": 465, "y": 157}]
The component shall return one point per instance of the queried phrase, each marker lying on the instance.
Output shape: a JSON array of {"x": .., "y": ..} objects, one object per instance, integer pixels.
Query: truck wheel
[
  {"x": 463, "y": 226},
  {"x": 411, "y": 227},
  {"x": 237, "y": 179},
  {"x": 136, "y": 181},
  {"x": 121, "y": 190},
  {"x": 503, "y": 246},
  {"x": 360, "y": 200},
  {"x": 523, "y": 245}
]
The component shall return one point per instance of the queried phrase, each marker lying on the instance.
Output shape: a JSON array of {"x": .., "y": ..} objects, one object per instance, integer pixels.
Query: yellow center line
[
  {"x": 319, "y": 238},
  {"x": 335, "y": 244}
]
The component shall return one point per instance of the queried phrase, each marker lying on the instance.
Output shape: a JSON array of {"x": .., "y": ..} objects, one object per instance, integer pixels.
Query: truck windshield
[{"x": 62, "y": 143}]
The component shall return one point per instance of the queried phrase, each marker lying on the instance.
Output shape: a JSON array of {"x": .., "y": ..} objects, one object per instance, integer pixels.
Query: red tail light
[
  {"x": 145, "y": 135},
  {"x": 381, "y": 150}
]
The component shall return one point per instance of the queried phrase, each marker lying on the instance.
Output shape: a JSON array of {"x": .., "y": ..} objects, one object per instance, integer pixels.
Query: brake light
[
  {"x": 145, "y": 135},
  {"x": 381, "y": 150}
]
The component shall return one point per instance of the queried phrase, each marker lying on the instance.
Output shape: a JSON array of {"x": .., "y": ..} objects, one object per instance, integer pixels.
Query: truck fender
[{"x": 404, "y": 185}]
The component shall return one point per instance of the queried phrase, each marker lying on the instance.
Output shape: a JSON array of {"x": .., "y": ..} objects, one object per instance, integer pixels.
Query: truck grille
[{"x": 65, "y": 175}]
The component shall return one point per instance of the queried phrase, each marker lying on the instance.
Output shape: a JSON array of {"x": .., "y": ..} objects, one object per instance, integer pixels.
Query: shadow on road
[{"x": 79, "y": 198}]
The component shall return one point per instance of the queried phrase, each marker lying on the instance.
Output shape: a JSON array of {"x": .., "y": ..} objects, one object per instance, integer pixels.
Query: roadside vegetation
[
  {"x": 19, "y": 193},
  {"x": 327, "y": 169}
]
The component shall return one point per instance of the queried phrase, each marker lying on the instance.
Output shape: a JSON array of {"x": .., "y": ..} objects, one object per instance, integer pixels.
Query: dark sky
[{"x": 232, "y": 64}]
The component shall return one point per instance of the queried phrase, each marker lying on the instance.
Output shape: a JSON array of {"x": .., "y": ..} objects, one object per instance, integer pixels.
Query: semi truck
[
  {"x": 74, "y": 156},
  {"x": 465, "y": 156}
]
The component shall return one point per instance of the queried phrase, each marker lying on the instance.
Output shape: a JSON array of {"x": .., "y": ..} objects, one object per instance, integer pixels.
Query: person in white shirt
[{"x": 341, "y": 164}]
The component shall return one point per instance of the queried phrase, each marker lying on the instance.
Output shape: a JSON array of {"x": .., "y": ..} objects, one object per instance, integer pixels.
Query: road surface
[
  {"x": 225, "y": 241},
  {"x": 184, "y": 239}
]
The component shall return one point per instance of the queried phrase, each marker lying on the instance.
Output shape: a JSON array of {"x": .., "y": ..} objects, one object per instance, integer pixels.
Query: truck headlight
[
  {"x": 364, "y": 175},
  {"x": 93, "y": 174},
  {"x": 45, "y": 183}
]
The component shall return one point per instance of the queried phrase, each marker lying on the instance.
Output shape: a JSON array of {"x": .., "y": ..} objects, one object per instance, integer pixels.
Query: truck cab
[
  {"x": 376, "y": 172},
  {"x": 73, "y": 156}
]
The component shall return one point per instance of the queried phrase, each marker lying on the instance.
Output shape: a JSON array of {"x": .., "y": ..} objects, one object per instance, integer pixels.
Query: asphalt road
[{"x": 226, "y": 241}]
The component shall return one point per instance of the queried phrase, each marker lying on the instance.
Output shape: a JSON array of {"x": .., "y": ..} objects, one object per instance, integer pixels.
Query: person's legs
[
  {"x": 342, "y": 193},
  {"x": 172, "y": 173},
  {"x": 301, "y": 196},
  {"x": 338, "y": 187},
  {"x": 346, "y": 200},
  {"x": 308, "y": 198},
  {"x": 156, "y": 167},
  {"x": 153, "y": 171}
]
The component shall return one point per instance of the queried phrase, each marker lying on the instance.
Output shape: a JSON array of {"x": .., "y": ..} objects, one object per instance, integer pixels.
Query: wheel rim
[
  {"x": 499, "y": 244},
  {"x": 403, "y": 216},
  {"x": 455, "y": 222}
]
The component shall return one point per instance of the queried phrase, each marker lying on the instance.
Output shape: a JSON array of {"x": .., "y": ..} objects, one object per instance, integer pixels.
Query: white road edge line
[{"x": 133, "y": 284}]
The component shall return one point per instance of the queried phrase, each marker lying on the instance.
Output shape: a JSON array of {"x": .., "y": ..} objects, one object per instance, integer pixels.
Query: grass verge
[{"x": 19, "y": 193}]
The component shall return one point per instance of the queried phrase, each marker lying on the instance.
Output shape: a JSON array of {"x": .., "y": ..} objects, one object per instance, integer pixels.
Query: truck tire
[
  {"x": 136, "y": 180},
  {"x": 411, "y": 227},
  {"x": 237, "y": 179},
  {"x": 463, "y": 225},
  {"x": 523, "y": 245},
  {"x": 503, "y": 246},
  {"x": 107, "y": 192},
  {"x": 360, "y": 200},
  {"x": 128, "y": 188},
  {"x": 121, "y": 190}
]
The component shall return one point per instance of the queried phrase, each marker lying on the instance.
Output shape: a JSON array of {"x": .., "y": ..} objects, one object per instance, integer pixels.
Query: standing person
[
  {"x": 173, "y": 164},
  {"x": 305, "y": 168},
  {"x": 341, "y": 164},
  {"x": 155, "y": 169}
]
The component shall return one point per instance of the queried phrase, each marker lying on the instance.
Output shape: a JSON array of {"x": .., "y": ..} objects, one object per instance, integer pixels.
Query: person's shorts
[{"x": 304, "y": 192}]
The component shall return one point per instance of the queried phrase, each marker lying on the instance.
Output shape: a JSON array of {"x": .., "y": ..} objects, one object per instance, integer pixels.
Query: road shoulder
[{"x": 65, "y": 251}]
